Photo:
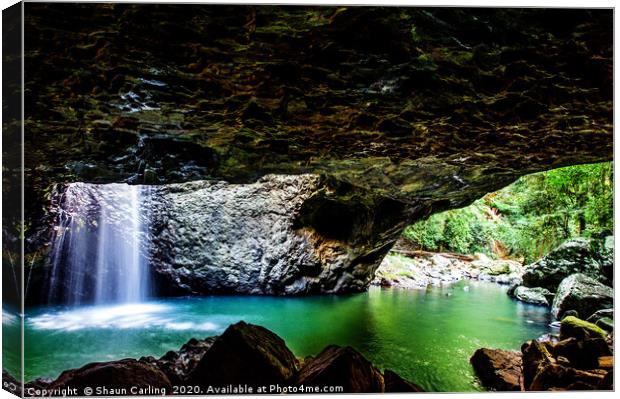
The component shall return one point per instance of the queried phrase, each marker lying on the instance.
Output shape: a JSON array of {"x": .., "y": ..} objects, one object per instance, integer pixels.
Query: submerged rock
[
  {"x": 535, "y": 296},
  {"x": 583, "y": 294},
  {"x": 580, "y": 255},
  {"x": 338, "y": 366},
  {"x": 498, "y": 369},
  {"x": 245, "y": 354}
]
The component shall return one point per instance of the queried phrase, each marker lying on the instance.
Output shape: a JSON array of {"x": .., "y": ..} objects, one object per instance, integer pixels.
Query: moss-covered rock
[
  {"x": 606, "y": 324},
  {"x": 580, "y": 329}
]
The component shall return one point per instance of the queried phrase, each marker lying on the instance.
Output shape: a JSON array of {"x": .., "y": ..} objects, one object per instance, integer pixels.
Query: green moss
[
  {"x": 503, "y": 268},
  {"x": 405, "y": 273},
  {"x": 415, "y": 36},
  {"x": 573, "y": 327}
]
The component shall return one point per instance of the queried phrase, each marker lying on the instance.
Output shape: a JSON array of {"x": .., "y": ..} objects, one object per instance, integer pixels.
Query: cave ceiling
[{"x": 410, "y": 103}]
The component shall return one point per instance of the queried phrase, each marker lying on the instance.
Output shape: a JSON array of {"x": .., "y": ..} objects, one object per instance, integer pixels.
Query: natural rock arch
[{"x": 396, "y": 112}]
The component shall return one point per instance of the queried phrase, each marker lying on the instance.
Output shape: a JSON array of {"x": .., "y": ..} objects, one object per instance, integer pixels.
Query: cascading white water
[{"x": 98, "y": 255}]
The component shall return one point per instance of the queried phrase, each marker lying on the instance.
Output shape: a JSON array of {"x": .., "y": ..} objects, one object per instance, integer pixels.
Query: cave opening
[
  {"x": 506, "y": 232},
  {"x": 248, "y": 171}
]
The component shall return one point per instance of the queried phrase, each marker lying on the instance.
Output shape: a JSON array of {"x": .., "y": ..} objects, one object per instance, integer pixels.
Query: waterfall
[{"x": 97, "y": 253}]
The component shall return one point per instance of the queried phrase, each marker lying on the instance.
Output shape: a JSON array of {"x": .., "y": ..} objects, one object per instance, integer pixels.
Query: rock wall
[{"x": 280, "y": 235}]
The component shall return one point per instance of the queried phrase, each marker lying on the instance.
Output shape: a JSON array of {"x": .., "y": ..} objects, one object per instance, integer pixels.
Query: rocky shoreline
[
  {"x": 419, "y": 269},
  {"x": 245, "y": 359},
  {"x": 582, "y": 359},
  {"x": 575, "y": 281}
]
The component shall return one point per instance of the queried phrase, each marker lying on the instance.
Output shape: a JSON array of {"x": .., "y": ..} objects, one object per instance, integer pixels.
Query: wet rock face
[
  {"x": 280, "y": 235},
  {"x": 405, "y": 100}
]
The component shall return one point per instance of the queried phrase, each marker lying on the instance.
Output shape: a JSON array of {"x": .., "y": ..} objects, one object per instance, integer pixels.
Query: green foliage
[
  {"x": 464, "y": 230},
  {"x": 415, "y": 36},
  {"x": 528, "y": 218}
]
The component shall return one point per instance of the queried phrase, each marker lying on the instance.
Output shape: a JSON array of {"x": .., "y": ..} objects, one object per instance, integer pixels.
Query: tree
[{"x": 530, "y": 217}]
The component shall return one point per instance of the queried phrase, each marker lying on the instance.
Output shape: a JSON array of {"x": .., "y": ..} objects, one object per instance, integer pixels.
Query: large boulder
[
  {"x": 114, "y": 378},
  {"x": 583, "y": 294},
  {"x": 580, "y": 255},
  {"x": 342, "y": 366},
  {"x": 498, "y": 369},
  {"x": 282, "y": 235},
  {"x": 245, "y": 354},
  {"x": 535, "y": 296}
]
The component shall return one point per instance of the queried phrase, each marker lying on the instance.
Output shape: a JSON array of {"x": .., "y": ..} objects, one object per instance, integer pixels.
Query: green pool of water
[{"x": 426, "y": 336}]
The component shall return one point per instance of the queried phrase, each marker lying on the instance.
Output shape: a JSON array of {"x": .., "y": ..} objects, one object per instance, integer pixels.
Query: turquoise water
[{"x": 426, "y": 336}]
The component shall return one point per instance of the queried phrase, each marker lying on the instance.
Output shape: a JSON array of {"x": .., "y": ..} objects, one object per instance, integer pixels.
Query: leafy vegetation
[{"x": 528, "y": 218}]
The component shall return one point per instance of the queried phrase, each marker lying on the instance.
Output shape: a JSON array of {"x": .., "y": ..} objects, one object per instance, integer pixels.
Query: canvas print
[{"x": 256, "y": 199}]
